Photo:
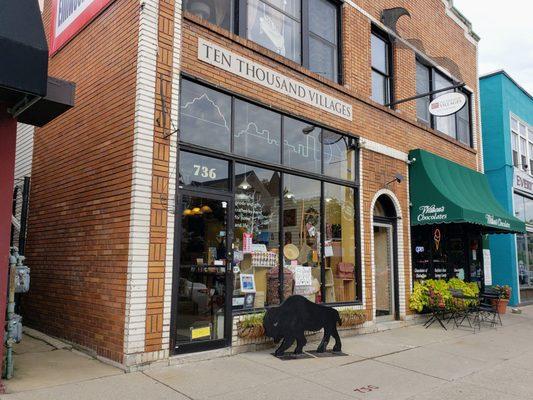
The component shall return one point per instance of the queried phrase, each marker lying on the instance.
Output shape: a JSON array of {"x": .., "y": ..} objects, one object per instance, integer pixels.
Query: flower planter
[
  {"x": 250, "y": 332},
  {"x": 348, "y": 320},
  {"x": 501, "y": 305}
]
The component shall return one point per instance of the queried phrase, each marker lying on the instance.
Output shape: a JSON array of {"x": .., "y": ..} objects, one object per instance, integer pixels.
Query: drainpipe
[{"x": 10, "y": 314}]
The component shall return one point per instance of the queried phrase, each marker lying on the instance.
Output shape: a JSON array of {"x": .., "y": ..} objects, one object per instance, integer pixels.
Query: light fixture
[
  {"x": 244, "y": 185},
  {"x": 308, "y": 129},
  {"x": 289, "y": 195},
  {"x": 206, "y": 209},
  {"x": 196, "y": 211},
  {"x": 187, "y": 212}
]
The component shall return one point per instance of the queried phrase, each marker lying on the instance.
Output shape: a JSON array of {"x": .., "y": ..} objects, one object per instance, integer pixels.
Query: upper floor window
[
  {"x": 218, "y": 12},
  {"x": 381, "y": 68},
  {"x": 457, "y": 125},
  {"x": 304, "y": 31},
  {"x": 522, "y": 145}
]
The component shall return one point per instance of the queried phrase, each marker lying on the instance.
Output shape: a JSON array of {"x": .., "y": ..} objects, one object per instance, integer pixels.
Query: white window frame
[{"x": 516, "y": 133}]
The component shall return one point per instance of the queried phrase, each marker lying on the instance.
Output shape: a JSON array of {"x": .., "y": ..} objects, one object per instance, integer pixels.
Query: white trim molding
[
  {"x": 173, "y": 176},
  {"x": 382, "y": 149},
  {"x": 143, "y": 139}
]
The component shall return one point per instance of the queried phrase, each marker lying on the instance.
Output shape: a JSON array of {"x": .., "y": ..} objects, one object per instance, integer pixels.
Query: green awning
[{"x": 445, "y": 192}]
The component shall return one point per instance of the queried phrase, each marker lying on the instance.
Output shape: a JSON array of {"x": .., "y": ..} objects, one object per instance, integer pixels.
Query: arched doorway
[{"x": 385, "y": 250}]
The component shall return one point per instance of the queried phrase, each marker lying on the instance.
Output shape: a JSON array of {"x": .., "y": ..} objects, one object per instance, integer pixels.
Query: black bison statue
[{"x": 296, "y": 315}]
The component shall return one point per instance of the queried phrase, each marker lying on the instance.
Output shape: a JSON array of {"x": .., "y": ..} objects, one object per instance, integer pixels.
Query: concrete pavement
[{"x": 408, "y": 363}]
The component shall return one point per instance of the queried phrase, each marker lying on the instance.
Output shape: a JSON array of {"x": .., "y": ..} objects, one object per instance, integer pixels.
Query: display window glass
[
  {"x": 301, "y": 232},
  {"x": 339, "y": 156},
  {"x": 256, "y": 227},
  {"x": 201, "y": 171},
  {"x": 257, "y": 132},
  {"x": 207, "y": 111},
  {"x": 301, "y": 145},
  {"x": 291, "y": 233},
  {"x": 339, "y": 243}
]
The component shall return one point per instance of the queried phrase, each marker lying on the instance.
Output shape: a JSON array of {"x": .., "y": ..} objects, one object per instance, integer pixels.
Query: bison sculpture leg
[{"x": 287, "y": 342}]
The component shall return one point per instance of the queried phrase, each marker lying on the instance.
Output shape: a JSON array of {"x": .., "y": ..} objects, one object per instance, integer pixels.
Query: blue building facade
[{"x": 507, "y": 125}]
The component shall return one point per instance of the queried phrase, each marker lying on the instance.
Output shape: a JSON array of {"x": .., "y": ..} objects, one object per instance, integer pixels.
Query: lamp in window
[
  {"x": 202, "y": 8},
  {"x": 196, "y": 211},
  {"x": 244, "y": 185},
  {"x": 187, "y": 212},
  {"x": 206, "y": 209}
]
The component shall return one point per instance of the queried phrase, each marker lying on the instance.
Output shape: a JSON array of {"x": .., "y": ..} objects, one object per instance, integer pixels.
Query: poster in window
[{"x": 69, "y": 17}]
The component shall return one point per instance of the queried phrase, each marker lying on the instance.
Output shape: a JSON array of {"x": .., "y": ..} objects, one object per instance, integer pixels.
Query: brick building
[{"x": 220, "y": 147}]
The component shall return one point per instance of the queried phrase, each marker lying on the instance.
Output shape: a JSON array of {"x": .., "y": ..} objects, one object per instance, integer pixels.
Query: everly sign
[
  {"x": 69, "y": 17},
  {"x": 523, "y": 182},
  {"x": 252, "y": 71},
  {"x": 431, "y": 213}
]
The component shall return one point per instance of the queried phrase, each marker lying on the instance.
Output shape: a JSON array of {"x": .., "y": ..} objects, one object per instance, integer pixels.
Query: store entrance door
[
  {"x": 202, "y": 306},
  {"x": 384, "y": 271}
]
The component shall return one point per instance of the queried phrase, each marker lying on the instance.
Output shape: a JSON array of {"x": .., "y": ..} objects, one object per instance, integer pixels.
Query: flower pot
[{"x": 501, "y": 305}]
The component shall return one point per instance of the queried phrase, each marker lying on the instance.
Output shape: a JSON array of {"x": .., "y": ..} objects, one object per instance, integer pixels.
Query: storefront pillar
[{"x": 8, "y": 135}]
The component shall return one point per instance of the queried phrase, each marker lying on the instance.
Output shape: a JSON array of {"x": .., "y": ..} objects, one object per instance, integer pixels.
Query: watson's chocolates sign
[
  {"x": 252, "y": 71},
  {"x": 432, "y": 213},
  {"x": 69, "y": 17}
]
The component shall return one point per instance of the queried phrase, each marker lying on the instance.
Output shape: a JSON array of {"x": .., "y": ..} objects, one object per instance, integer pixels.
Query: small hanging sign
[{"x": 447, "y": 104}]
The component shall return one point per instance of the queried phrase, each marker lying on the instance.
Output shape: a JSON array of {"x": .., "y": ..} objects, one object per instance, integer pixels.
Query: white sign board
[
  {"x": 487, "y": 267},
  {"x": 447, "y": 104},
  {"x": 250, "y": 70},
  {"x": 523, "y": 181}
]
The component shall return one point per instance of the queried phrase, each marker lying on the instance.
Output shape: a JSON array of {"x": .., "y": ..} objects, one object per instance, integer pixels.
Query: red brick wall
[
  {"x": 429, "y": 28},
  {"x": 79, "y": 217}
]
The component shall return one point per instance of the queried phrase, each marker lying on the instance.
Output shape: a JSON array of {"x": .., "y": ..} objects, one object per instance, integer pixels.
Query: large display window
[
  {"x": 523, "y": 209},
  {"x": 294, "y": 189}
]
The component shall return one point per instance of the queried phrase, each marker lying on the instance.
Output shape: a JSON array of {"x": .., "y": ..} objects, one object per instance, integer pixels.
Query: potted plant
[
  {"x": 251, "y": 326},
  {"x": 504, "y": 293}
]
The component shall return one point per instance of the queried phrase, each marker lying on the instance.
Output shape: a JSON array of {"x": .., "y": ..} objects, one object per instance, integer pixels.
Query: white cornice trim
[{"x": 382, "y": 149}]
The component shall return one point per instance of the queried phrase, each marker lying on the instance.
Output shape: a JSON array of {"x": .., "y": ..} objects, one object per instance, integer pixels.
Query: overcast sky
[{"x": 506, "y": 31}]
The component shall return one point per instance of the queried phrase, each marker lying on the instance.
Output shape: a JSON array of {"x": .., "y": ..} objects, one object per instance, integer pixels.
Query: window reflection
[
  {"x": 276, "y": 28},
  {"x": 301, "y": 147},
  {"x": 444, "y": 124},
  {"x": 205, "y": 117},
  {"x": 218, "y": 12},
  {"x": 257, "y": 132},
  {"x": 339, "y": 155},
  {"x": 257, "y": 222},
  {"x": 339, "y": 244},
  {"x": 196, "y": 170},
  {"x": 301, "y": 223}
]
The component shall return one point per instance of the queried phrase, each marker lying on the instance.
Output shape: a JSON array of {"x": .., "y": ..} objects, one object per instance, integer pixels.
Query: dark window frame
[
  {"x": 284, "y": 170},
  {"x": 389, "y": 76},
  {"x": 433, "y": 71},
  {"x": 239, "y": 22}
]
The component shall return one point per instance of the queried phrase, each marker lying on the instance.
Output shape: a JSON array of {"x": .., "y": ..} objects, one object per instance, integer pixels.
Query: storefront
[
  {"x": 523, "y": 208},
  {"x": 267, "y": 209},
  {"x": 452, "y": 208}
]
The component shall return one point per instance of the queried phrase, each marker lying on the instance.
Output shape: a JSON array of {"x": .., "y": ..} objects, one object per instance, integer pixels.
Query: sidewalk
[{"x": 407, "y": 363}]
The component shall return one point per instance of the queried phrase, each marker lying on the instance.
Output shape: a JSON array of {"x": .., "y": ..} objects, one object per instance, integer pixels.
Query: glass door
[{"x": 201, "y": 317}]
